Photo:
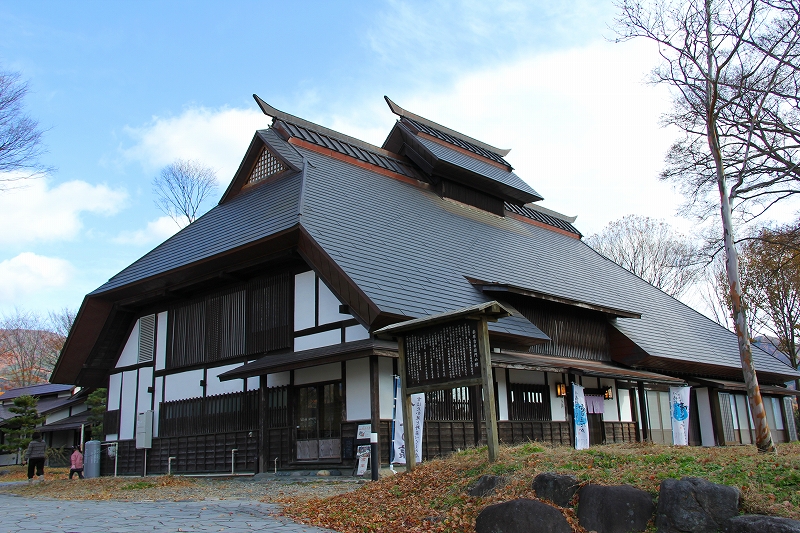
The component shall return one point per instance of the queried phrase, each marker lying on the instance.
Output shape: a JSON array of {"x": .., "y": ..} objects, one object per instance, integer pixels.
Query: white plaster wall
[
  {"x": 304, "y": 301},
  {"x": 610, "y": 411},
  {"x": 329, "y": 306},
  {"x": 145, "y": 380},
  {"x": 357, "y": 389},
  {"x": 558, "y": 410},
  {"x": 55, "y": 416},
  {"x": 76, "y": 409},
  {"x": 502, "y": 393},
  {"x": 705, "y": 418},
  {"x": 215, "y": 386},
  {"x": 127, "y": 415},
  {"x": 386, "y": 386},
  {"x": 525, "y": 376},
  {"x": 777, "y": 413},
  {"x": 741, "y": 403},
  {"x": 355, "y": 333},
  {"x": 161, "y": 340},
  {"x": 114, "y": 386},
  {"x": 183, "y": 385},
  {"x": 318, "y": 340},
  {"x": 130, "y": 353},
  {"x": 159, "y": 383},
  {"x": 625, "y": 405},
  {"x": 278, "y": 380},
  {"x": 316, "y": 374},
  {"x": 590, "y": 382}
]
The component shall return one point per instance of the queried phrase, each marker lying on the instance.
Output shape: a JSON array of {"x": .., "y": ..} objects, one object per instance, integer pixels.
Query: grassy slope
[{"x": 433, "y": 497}]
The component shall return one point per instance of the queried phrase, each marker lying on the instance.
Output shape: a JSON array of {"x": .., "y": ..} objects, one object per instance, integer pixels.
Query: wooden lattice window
[
  {"x": 529, "y": 402},
  {"x": 267, "y": 165}
]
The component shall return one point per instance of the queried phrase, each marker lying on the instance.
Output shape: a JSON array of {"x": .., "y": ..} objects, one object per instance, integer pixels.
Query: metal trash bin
[{"x": 92, "y": 458}]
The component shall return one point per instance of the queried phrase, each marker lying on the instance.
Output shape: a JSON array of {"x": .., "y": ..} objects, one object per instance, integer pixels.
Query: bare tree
[
  {"x": 181, "y": 187},
  {"x": 61, "y": 321},
  {"x": 29, "y": 349},
  {"x": 652, "y": 250},
  {"x": 775, "y": 264},
  {"x": 20, "y": 136},
  {"x": 733, "y": 66}
]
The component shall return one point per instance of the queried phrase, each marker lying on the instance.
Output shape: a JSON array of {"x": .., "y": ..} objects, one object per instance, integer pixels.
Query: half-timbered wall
[{"x": 318, "y": 317}]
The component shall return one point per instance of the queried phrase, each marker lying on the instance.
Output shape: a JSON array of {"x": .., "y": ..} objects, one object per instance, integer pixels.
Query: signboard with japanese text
[{"x": 442, "y": 353}]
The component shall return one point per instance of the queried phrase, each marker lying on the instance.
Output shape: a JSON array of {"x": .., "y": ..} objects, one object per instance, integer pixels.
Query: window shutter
[{"x": 147, "y": 338}]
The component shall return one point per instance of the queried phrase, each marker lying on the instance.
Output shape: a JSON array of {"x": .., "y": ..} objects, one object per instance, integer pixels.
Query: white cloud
[
  {"x": 28, "y": 273},
  {"x": 156, "y": 231},
  {"x": 39, "y": 212},
  {"x": 582, "y": 123},
  {"x": 217, "y": 138}
]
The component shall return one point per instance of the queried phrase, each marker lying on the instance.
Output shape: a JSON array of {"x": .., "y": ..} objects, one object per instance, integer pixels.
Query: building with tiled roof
[{"x": 256, "y": 322}]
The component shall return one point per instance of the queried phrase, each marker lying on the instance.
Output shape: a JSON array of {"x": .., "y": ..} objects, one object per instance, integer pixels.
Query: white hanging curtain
[
  {"x": 679, "y": 413},
  {"x": 398, "y": 435},
  {"x": 581, "y": 418}
]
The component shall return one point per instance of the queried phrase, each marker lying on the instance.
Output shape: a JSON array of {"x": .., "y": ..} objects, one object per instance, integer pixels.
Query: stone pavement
[{"x": 25, "y": 515}]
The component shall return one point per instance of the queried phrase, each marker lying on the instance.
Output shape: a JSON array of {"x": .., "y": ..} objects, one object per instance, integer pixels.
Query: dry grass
[
  {"x": 134, "y": 488},
  {"x": 433, "y": 497}
]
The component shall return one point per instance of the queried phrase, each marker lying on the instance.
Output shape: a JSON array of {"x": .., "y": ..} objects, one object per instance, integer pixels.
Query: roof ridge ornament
[
  {"x": 399, "y": 111},
  {"x": 286, "y": 117}
]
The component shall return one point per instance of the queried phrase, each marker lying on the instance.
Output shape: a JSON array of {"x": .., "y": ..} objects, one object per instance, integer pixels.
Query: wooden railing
[{"x": 224, "y": 413}]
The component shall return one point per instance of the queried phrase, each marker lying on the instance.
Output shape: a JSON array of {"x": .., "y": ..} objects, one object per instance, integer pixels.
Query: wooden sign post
[{"x": 447, "y": 351}]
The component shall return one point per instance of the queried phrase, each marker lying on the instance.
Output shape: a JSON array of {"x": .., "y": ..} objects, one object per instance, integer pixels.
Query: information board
[{"x": 442, "y": 353}]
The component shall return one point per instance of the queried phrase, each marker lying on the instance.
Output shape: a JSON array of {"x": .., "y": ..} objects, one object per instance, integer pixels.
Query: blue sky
[{"x": 123, "y": 89}]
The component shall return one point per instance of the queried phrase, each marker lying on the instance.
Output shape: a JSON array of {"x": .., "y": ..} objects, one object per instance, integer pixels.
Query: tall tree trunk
[{"x": 763, "y": 436}]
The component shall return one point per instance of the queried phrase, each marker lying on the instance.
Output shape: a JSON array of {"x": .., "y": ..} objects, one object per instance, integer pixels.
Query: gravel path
[{"x": 28, "y": 515}]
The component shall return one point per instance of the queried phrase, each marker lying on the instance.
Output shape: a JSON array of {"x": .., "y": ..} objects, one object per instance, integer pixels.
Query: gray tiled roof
[
  {"x": 461, "y": 143},
  {"x": 42, "y": 389},
  {"x": 544, "y": 218},
  {"x": 373, "y": 157},
  {"x": 251, "y": 215},
  {"x": 473, "y": 164},
  {"x": 410, "y": 250}
]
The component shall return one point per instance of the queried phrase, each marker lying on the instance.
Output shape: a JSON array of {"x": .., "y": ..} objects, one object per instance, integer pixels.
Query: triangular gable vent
[{"x": 267, "y": 165}]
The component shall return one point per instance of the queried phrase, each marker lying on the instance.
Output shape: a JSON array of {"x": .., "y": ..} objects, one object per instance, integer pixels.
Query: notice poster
[
  {"x": 418, "y": 415},
  {"x": 363, "y": 431},
  {"x": 581, "y": 418},
  {"x": 363, "y": 455},
  {"x": 679, "y": 413}
]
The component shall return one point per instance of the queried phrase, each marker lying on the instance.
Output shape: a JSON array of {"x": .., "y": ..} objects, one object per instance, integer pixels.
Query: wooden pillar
[
  {"x": 408, "y": 421},
  {"x": 489, "y": 413},
  {"x": 570, "y": 408},
  {"x": 643, "y": 429},
  {"x": 375, "y": 412},
  {"x": 476, "y": 406},
  {"x": 716, "y": 418},
  {"x": 263, "y": 445}
]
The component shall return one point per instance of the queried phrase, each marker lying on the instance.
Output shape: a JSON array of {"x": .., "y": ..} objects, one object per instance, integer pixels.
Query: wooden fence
[
  {"x": 224, "y": 413},
  {"x": 193, "y": 455}
]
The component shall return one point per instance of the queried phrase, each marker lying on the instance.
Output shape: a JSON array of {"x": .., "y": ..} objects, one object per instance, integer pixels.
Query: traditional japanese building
[{"x": 250, "y": 333}]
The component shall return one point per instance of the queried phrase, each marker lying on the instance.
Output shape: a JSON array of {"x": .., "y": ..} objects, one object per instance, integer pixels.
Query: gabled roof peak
[
  {"x": 399, "y": 111},
  {"x": 297, "y": 121}
]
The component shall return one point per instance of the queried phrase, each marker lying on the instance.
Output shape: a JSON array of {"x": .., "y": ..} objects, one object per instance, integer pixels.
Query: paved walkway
[{"x": 25, "y": 515}]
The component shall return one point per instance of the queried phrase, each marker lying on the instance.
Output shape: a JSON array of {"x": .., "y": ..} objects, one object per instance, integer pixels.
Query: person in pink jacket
[{"x": 76, "y": 463}]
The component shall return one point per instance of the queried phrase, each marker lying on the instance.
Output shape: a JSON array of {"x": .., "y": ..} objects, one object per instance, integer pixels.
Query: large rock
[
  {"x": 557, "y": 488},
  {"x": 695, "y": 505},
  {"x": 762, "y": 524},
  {"x": 486, "y": 485},
  {"x": 521, "y": 516},
  {"x": 616, "y": 509}
]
